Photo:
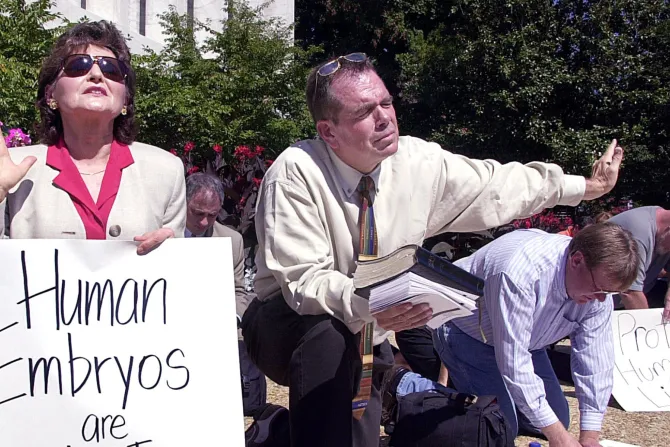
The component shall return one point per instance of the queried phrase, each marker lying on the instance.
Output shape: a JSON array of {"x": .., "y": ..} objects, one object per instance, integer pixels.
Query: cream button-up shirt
[{"x": 307, "y": 215}]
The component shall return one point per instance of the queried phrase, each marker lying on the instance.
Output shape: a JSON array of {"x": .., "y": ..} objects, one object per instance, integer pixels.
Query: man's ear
[
  {"x": 576, "y": 259},
  {"x": 325, "y": 129}
]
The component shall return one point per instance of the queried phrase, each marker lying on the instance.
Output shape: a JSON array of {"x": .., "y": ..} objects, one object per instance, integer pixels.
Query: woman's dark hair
[{"x": 77, "y": 39}]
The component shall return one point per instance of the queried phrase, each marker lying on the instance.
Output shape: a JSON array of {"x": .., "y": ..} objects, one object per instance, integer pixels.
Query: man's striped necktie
[{"x": 367, "y": 250}]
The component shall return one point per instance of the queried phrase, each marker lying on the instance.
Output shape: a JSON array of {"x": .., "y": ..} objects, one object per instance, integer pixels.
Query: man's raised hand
[{"x": 605, "y": 172}]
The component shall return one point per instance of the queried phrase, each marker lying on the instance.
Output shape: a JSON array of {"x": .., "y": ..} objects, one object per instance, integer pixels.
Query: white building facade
[{"x": 139, "y": 19}]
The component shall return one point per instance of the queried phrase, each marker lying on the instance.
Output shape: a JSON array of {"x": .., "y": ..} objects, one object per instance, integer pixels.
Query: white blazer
[{"x": 152, "y": 195}]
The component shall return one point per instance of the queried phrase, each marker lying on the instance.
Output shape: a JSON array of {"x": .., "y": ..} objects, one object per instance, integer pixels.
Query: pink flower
[
  {"x": 173, "y": 151},
  {"x": 259, "y": 150},
  {"x": 189, "y": 146},
  {"x": 242, "y": 153},
  {"x": 16, "y": 138},
  {"x": 193, "y": 169},
  {"x": 256, "y": 181},
  {"x": 268, "y": 163},
  {"x": 217, "y": 148}
]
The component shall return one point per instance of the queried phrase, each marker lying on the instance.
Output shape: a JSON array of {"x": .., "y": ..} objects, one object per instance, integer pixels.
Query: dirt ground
[{"x": 641, "y": 429}]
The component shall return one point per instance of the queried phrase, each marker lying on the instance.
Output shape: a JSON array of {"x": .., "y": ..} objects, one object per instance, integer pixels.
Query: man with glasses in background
[
  {"x": 356, "y": 192},
  {"x": 540, "y": 288}
]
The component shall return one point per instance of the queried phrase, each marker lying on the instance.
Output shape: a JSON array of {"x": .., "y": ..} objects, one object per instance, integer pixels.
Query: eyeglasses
[
  {"x": 331, "y": 67},
  {"x": 76, "y": 65},
  {"x": 599, "y": 291}
]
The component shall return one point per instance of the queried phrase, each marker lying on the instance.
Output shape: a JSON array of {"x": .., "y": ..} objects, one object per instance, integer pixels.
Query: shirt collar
[
  {"x": 58, "y": 157},
  {"x": 70, "y": 180},
  {"x": 350, "y": 177},
  {"x": 187, "y": 233},
  {"x": 559, "y": 280}
]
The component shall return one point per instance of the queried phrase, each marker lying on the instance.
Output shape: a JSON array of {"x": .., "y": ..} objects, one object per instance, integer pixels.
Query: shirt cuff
[
  {"x": 574, "y": 187},
  {"x": 543, "y": 416},
  {"x": 360, "y": 309},
  {"x": 591, "y": 420},
  {"x": 3, "y": 204}
]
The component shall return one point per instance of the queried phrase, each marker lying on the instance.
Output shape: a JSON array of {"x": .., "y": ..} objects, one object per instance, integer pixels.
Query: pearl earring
[
  {"x": 124, "y": 111},
  {"x": 53, "y": 105}
]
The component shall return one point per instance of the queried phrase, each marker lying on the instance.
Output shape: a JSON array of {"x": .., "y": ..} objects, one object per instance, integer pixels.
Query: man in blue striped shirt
[{"x": 539, "y": 289}]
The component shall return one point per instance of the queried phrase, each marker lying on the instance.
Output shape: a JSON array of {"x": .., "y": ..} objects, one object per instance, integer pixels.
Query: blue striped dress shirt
[{"x": 525, "y": 308}]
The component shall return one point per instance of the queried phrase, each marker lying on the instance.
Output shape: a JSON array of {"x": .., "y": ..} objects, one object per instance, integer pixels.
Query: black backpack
[
  {"x": 441, "y": 419},
  {"x": 254, "y": 387}
]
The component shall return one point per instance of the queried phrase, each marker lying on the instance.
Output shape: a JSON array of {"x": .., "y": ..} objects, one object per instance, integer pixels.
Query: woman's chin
[{"x": 95, "y": 110}]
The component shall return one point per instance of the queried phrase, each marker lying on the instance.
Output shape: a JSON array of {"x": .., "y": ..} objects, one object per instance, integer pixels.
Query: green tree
[
  {"x": 376, "y": 27},
  {"x": 24, "y": 42},
  {"x": 243, "y": 86},
  {"x": 539, "y": 79}
]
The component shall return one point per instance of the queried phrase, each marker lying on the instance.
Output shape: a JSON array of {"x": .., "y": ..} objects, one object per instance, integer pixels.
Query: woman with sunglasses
[{"x": 89, "y": 179}]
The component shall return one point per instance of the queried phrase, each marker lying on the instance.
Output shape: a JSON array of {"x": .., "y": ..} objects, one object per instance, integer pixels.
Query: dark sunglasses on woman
[{"x": 76, "y": 65}]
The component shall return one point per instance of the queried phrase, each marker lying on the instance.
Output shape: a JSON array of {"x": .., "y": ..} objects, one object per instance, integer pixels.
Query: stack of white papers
[{"x": 447, "y": 303}]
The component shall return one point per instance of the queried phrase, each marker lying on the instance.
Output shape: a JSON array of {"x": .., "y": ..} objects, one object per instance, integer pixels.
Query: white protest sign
[
  {"x": 642, "y": 360},
  {"x": 102, "y": 347},
  {"x": 608, "y": 443}
]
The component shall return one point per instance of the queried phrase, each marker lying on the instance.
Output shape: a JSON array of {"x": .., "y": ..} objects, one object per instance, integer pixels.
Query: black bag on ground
[
  {"x": 254, "y": 387},
  {"x": 440, "y": 419}
]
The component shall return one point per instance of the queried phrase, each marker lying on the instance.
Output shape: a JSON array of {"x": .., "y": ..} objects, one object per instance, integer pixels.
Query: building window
[
  {"x": 143, "y": 17},
  {"x": 83, "y": 4},
  {"x": 190, "y": 7}
]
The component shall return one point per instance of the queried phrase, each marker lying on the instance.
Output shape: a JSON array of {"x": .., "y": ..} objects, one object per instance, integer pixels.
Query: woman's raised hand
[{"x": 11, "y": 173}]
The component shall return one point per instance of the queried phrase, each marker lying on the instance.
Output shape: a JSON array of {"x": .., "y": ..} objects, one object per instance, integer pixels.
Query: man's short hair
[
  {"x": 321, "y": 103},
  {"x": 200, "y": 181},
  {"x": 603, "y": 216},
  {"x": 611, "y": 247}
]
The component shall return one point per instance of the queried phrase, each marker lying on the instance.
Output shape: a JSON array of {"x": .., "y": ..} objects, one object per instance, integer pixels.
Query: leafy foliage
[
  {"x": 529, "y": 79},
  {"x": 24, "y": 42},
  {"x": 376, "y": 27},
  {"x": 243, "y": 85}
]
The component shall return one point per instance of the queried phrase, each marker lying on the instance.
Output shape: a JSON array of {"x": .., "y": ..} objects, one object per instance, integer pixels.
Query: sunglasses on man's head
[
  {"x": 331, "y": 67},
  {"x": 76, "y": 65}
]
